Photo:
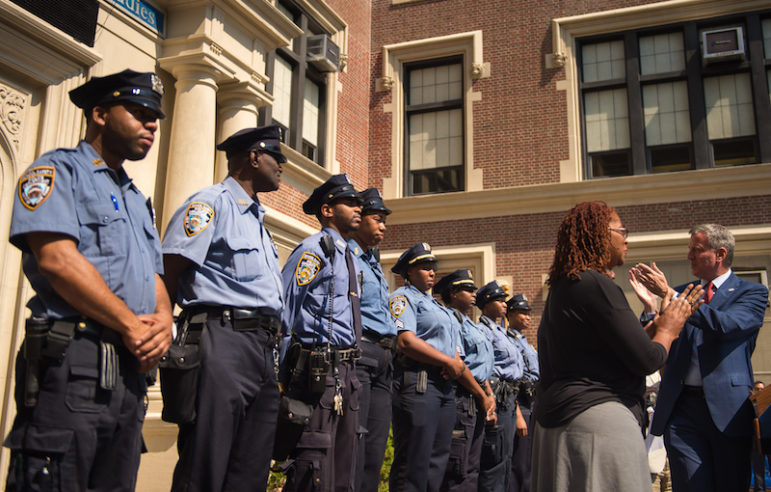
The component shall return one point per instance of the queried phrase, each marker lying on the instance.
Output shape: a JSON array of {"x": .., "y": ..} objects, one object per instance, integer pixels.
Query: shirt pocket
[
  {"x": 246, "y": 262},
  {"x": 102, "y": 225}
]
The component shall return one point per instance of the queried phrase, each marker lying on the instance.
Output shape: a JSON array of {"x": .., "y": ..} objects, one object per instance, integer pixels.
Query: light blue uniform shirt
[
  {"x": 73, "y": 192},
  {"x": 529, "y": 354},
  {"x": 374, "y": 292},
  {"x": 221, "y": 230},
  {"x": 479, "y": 350},
  {"x": 306, "y": 276},
  {"x": 418, "y": 312},
  {"x": 509, "y": 364}
]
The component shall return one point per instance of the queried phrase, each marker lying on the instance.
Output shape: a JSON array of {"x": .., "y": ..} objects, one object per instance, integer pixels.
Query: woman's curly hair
[{"x": 583, "y": 241}]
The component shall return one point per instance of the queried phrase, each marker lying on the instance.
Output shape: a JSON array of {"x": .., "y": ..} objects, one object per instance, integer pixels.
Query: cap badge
[
  {"x": 197, "y": 217},
  {"x": 426, "y": 246},
  {"x": 157, "y": 84},
  {"x": 307, "y": 268},
  {"x": 35, "y": 186}
]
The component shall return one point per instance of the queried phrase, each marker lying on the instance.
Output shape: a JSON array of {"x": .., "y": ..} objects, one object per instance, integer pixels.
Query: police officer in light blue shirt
[
  {"x": 100, "y": 315},
  {"x": 222, "y": 269},
  {"x": 374, "y": 370},
  {"x": 509, "y": 367},
  {"x": 322, "y": 321},
  {"x": 518, "y": 316},
  {"x": 423, "y": 395},
  {"x": 457, "y": 292}
]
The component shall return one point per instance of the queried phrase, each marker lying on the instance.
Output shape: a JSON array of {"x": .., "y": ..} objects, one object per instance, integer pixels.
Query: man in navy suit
[{"x": 703, "y": 409}]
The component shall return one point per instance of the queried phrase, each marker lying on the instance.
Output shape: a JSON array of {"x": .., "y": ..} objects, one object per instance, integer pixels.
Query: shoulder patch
[
  {"x": 307, "y": 268},
  {"x": 397, "y": 304},
  {"x": 35, "y": 186},
  {"x": 197, "y": 217}
]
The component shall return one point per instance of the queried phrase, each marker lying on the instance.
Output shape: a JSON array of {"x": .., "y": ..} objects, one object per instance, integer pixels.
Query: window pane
[
  {"x": 767, "y": 37},
  {"x": 435, "y": 84},
  {"x": 734, "y": 152},
  {"x": 662, "y": 53},
  {"x": 436, "y": 139},
  {"x": 610, "y": 164},
  {"x": 607, "y": 123},
  {"x": 282, "y": 90},
  {"x": 665, "y": 107},
  {"x": 671, "y": 158},
  {"x": 729, "y": 106},
  {"x": 603, "y": 61},
  {"x": 311, "y": 113}
]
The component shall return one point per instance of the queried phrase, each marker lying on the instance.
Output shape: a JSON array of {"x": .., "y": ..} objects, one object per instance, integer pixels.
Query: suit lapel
[{"x": 726, "y": 292}]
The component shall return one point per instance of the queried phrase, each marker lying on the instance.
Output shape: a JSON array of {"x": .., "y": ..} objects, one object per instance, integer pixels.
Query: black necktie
[{"x": 353, "y": 294}]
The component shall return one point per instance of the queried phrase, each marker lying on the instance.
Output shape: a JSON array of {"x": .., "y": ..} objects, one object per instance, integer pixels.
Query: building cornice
[{"x": 623, "y": 191}]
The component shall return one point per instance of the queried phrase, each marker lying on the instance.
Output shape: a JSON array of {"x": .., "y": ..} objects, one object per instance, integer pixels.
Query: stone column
[
  {"x": 237, "y": 106},
  {"x": 190, "y": 166}
]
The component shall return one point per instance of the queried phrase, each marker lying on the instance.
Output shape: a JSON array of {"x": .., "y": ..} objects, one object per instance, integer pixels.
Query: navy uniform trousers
[
  {"x": 422, "y": 427},
  {"x": 466, "y": 447},
  {"x": 521, "y": 458},
  {"x": 325, "y": 455},
  {"x": 230, "y": 444},
  {"x": 375, "y": 373},
  {"x": 76, "y": 425},
  {"x": 497, "y": 449}
]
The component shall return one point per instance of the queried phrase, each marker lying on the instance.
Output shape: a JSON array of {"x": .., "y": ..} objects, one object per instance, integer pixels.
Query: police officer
[
  {"x": 100, "y": 316},
  {"x": 323, "y": 321},
  {"x": 518, "y": 316},
  {"x": 509, "y": 367},
  {"x": 374, "y": 370},
  {"x": 222, "y": 269},
  {"x": 475, "y": 405},
  {"x": 428, "y": 363}
]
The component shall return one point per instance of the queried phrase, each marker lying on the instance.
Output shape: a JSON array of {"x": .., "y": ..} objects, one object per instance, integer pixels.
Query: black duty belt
[
  {"x": 240, "y": 318},
  {"x": 350, "y": 354},
  {"x": 387, "y": 342}
]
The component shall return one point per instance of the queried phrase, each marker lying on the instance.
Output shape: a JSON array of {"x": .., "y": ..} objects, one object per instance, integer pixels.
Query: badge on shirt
[
  {"x": 35, "y": 186},
  {"x": 397, "y": 304},
  {"x": 307, "y": 268},
  {"x": 197, "y": 218}
]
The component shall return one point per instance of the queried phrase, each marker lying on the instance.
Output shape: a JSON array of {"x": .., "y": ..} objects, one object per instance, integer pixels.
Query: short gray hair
[{"x": 718, "y": 236}]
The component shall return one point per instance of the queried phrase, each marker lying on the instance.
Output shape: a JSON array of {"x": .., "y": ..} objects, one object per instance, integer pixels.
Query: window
[
  {"x": 299, "y": 91},
  {"x": 434, "y": 126},
  {"x": 650, "y": 102}
]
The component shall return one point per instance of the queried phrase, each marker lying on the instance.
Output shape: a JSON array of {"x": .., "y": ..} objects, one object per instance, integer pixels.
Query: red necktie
[{"x": 709, "y": 291}]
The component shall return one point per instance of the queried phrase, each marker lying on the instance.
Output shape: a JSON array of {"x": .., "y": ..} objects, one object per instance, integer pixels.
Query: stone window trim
[
  {"x": 566, "y": 30},
  {"x": 395, "y": 56}
]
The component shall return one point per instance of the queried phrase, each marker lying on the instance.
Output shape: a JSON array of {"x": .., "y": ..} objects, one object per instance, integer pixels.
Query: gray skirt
[{"x": 600, "y": 450}]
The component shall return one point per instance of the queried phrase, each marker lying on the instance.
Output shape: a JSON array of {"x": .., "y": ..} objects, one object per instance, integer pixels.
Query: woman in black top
[{"x": 594, "y": 357}]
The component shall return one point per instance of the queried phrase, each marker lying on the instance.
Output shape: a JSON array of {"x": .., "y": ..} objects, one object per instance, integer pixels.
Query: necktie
[
  {"x": 709, "y": 291},
  {"x": 353, "y": 294}
]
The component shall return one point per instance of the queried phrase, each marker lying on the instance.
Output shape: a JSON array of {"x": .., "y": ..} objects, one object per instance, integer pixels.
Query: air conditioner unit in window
[
  {"x": 323, "y": 54},
  {"x": 722, "y": 44}
]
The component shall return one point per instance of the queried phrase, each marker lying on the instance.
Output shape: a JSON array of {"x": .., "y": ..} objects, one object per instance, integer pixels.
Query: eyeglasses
[{"x": 621, "y": 230}]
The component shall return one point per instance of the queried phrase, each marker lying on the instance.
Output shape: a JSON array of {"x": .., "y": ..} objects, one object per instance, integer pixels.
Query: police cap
[
  {"x": 337, "y": 186},
  {"x": 372, "y": 202},
  {"x": 416, "y": 254},
  {"x": 459, "y": 279},
  {"x": 489, "y": 292},
  {"x": 517, "y": 302},
  {"x": 143, "y": 88},
  {"x": 266, "y": 139}
]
